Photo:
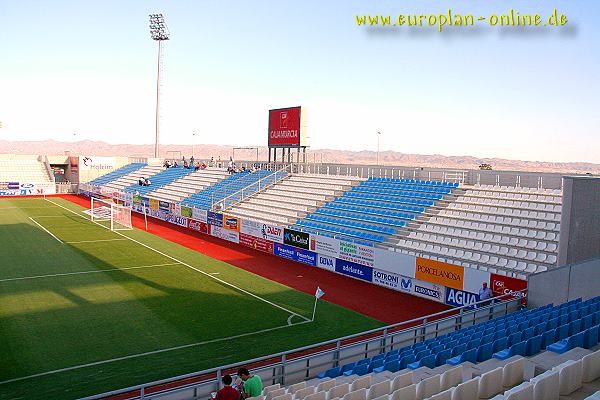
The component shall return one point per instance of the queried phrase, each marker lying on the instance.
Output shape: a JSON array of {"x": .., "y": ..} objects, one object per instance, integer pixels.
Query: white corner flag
[{"x": 318, "y": 294}]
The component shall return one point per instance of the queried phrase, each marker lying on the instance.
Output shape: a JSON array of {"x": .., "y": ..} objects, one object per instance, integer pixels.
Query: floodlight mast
[{"x": 158, "y": 32}]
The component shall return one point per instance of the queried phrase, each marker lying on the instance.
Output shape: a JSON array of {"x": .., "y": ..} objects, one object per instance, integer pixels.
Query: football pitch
[{"x": 85, "y": 310}]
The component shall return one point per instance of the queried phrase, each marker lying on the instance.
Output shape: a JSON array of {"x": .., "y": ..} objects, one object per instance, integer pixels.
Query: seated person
[
  {"x": 147, "y": 182},
  {"x": 185, "y": 164},
  {"x": 197, "y": 167},
  {"x": 252, "y": 384},
  {"x": 141, "y": 181},
  {"x": 227, "y": 392}
]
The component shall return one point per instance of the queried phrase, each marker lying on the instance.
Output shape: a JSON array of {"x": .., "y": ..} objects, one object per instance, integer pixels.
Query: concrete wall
[
  {"x": 564, "y": 284},
  {"x": 580, "y": 221}
]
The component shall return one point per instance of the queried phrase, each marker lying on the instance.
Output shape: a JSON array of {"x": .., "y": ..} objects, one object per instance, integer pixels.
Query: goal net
[{"x": 110, "y": 215}]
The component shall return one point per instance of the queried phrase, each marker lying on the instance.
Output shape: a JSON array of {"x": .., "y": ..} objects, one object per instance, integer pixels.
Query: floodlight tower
[{"x": 158, "y": 32}]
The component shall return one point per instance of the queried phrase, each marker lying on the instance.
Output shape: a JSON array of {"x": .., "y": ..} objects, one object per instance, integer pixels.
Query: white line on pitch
[
  {"x": 84, "y": 272},
  {"x": 96, "y": 241},
  {"x": 22, "y": 208},
  {"x": 148, "y": 353},
  {"x": 194, "y": 268},
  {"x": 46, "y": 230}
]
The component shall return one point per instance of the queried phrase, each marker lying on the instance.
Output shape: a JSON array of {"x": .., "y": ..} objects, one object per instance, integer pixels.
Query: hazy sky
[{"x": 89, "y": 67}]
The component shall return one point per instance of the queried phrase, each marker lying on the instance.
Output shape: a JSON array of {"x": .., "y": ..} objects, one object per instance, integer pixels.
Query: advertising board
[
  {"x": 296, "y": 238},
  {"x": 214, "y": 219},
  {"x": 285, "y": 127},
  {"x": 428, "y": 290},
  {"x": 442, "y": 273},
  {"x": 199, "y": 226},
  {"x": 295, "y": 254},
  {"x": 260, "y": 230},
  {"x": 226, "y": 234},
  {"x": 354, "y": 270},
  {"x": 460, "y": 298},
  {"x": 256, "y": 243},
  {"x": 230, "y": 222}
]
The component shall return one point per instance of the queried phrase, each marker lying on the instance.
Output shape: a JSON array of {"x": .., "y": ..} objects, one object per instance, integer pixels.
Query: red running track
[{"x": 383, "y": 304}]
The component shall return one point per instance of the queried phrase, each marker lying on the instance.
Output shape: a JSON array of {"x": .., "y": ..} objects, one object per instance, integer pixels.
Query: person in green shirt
[{"x": 252, "y": 384}]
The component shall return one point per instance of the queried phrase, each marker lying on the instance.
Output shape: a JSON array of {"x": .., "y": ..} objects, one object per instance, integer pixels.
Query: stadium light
[
  {"x": 158, "y": 32},
  {"x": 378, "y": 135}
]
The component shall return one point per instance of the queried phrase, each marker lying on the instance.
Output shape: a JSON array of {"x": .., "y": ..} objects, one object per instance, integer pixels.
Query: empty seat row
[
  {"x": 415, "y": 182},
  {"x": 319, "y": 227},
  {"x": 366, "y": 217}
]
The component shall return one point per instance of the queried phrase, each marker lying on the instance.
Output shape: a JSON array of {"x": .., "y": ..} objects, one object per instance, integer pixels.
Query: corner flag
[{"x": 319, "y": 293}]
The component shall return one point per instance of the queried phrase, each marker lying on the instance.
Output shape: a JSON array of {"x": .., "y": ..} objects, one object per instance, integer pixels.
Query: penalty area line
[
  {"x": 195, "y": 269},
  {"x": 45, "y": 230},
  {"x": 148, "y": 353}
]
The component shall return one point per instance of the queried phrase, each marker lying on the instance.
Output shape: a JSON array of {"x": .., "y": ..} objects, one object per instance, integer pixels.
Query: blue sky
[{"x": 89, "y": 68}]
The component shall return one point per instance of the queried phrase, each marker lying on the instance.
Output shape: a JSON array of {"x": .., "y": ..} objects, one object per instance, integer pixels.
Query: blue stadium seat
[
  {"x": 391, "y": 366},
  {"x": 484, "y": 352},
  {"x": 427, "y": 361},
  {"x": 533, "y": 345},
  {"x": 567, "y": 344},
  {"x": 330, "y": 373},
  {"x": 514, "y": 350},
  {"x": 591, "y": 337},
  {"x": 469, "y": 355}
]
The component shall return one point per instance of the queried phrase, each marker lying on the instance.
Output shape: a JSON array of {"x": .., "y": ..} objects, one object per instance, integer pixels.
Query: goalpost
[{"x": 107, "y": 213}]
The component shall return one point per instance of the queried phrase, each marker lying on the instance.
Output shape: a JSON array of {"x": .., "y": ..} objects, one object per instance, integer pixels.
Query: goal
[{"x": 107, "y": 213}]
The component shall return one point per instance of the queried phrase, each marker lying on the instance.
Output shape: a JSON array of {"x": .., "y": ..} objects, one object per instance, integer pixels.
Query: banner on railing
[
  {"x": 226, "y": 234},
  {"x": 26, "y": 189},
  {"x": 214, "y": 219},
  {"x": 230, "y": 222},
  {"x": 199, "y": 226},
  {"x": 186, "y": 212},
  {"x": 256, "y": 243},
  {"x": 439, "y": 272},
  {"x": 296, "y": 238},
  {"x": 354, "y": 270},
  {"x": 262, "y": 230},
  {"x": 295, "y": 254},
  {"x": 200, "y": 215},
  {"x": 428, "y": 290},
  {"x": 460, "y": 298}
]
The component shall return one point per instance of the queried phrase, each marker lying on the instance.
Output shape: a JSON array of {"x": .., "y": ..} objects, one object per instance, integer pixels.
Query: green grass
[{"x": 113, "y": 310}]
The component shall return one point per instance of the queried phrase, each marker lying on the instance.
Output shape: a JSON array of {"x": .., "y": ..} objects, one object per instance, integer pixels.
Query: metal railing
[
  {"x": 66, "y": 188},
  {"x": 222, "y": 199},
  {"x": 299, "y": 364},
  {"x": 539, "y": 180}
]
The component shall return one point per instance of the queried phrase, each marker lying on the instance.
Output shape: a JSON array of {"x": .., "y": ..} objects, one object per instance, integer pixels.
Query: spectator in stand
[
  {"x": 227, "y": 392},
  {"x": 167, "y": 164},
  {"x": 252, "y": 384},
  {"x": 197, "y": 167},
  {"x": 185, "y": 164},
  {"x": 252, "y": 168},
  {"x": 485, "y": 293},
  {"x": 231, "y": 166},
  {"x": 192, "y": 160},
  {"x": 219, "y": 162},
  {"x": 212, "y": 162},
  {"x": 183, "y": 159},
  {"x": 243, "y": 168},
  {"x": 147, "y": 182},
  {"x": 142, "y": 181},
  {"x": 203, "y": 166},
  {"x": 175, "y": 164}
]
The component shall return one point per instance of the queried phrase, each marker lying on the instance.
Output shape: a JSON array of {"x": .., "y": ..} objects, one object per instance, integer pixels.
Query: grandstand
[
  {"x": 24, "y": 171},
  {"x": 475, "y": 230}
]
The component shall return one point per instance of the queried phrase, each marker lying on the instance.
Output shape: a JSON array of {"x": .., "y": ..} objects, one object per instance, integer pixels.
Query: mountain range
[{"x": 205, "y": 151}]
